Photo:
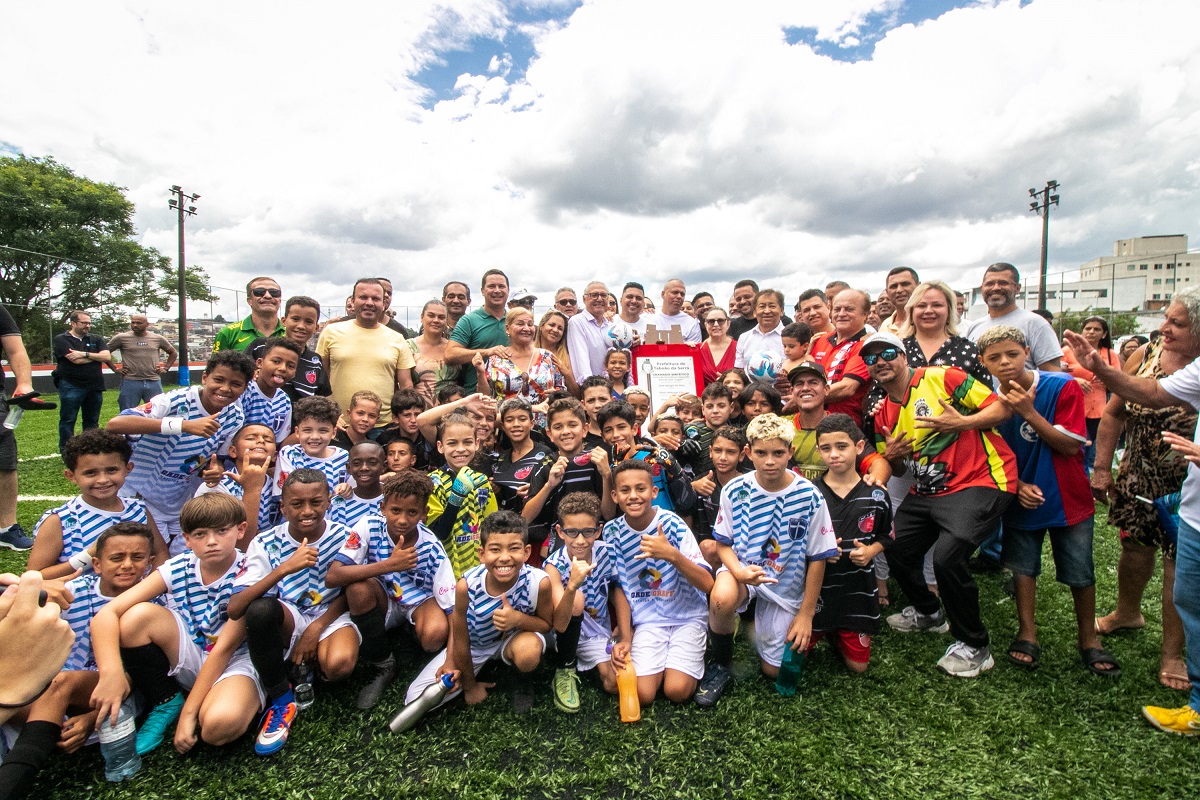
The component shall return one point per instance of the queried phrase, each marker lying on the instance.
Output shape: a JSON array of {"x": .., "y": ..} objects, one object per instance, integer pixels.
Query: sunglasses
[
  {"x": 890, "y": 354},
  {"x": 716, "y": 321},
  {"x": 571, "y": 533},
  {"x": 568, "y": 301},
  {"x": 262, "y": 291}
]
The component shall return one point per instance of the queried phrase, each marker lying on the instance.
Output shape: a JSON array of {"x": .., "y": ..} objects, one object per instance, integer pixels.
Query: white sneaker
[
  {"x": 963, "y": 661},
  {"x": 910, "y": 620}
]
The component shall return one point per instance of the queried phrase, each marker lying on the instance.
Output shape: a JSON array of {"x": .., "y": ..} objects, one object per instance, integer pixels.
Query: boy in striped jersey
[
  {"x": 503, "y": 609},
  {"x": 665, "y": 578},
  {"x": 265, "y": 400},
  {"x": 316, "y": 421},
  {"x": 252, "y": 450},
  {"x": 291, "y": 612},
  {"x": 366, "y": 465},
  {"x": 97, "y": 461},
  {"x": 189, "y": 641},
  {"x": 773, "y": 535},
  {"x": 178, "y": 432},
  {"x": 122, "y": 558},
  {"x": 396, "y": 575}
]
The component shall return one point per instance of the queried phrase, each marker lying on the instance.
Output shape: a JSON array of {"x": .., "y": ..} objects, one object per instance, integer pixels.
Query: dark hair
[
  {"x": 809, "y": 294},
  {"x": 592, "y": 381},
  {"x": 489, "y": 273},
  {"x": 446, "y": 288},
  {"x": 615, "y": 409},
  {"x": 253, "y": 281},
  {"x": 305, "y": 477},
  {"x": 746, "y": 282},
  {"x": 275, "y": 342},
  {"x": 409, "y": 483},
  {"x": 74, "y": 315},
  {"x": 321, "y": 409},
  {"x": 741, "y": 373},
  {"x": 404, "y": 399},
  {"x": 234, "y": 359},
  {"x": 400, "y": 440},
  {"x": 778, "y": 295},
  {"x": 215, "y": 511},
  {"x": 733, "y": 433},
  {"x": 633, "y": 285},
  {"x": 839, "y": 423},
  {"x": 629, "y": 465},
  {"x": 579, "y": 503},
  {"x": 1106, "y": 339},
  {"x": 376, "y": 281},
  {"x": 446, "y": 392},
  {"x": 613, "y": 352},
  {"x": 503, "y": 521},
  {"x": 696, "y": 297},
  {"x": 799, "y": 331},
  {"x": 303, "y": 301},
  {"x": 564, "y": 406},
  {"x": 238, "y": 434},
  {"x": 125, "y": 529},
  {"x": 716, "y": 390},
  {"x": 898, "y": 270},
  {"x": 1045, "y": 314},
  {"x": 95, "y": 442},
  {"x": 455, "y": 418},
  {"x": 1003, "y": 266},
  {"x": 766, "y": 390}
]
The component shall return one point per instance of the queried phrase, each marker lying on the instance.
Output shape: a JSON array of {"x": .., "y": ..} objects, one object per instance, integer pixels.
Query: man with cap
[
  {"x": 939, "y": 424},
  {"x": 809, "y": 388},
  {"x": 521, "y": 298}
]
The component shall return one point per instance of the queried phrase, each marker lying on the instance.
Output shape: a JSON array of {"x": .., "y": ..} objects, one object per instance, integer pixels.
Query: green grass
[{"x": 902, "y": 730}]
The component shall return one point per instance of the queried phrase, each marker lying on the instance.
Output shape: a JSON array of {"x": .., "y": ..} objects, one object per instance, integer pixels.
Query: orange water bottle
[{"x": 631, "y": 707}]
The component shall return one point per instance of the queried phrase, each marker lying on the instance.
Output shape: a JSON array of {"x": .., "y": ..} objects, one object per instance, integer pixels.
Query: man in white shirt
[
  {"x": 587, "y": 333},
  {"x": 1001, "y": 282},
  {"x": 673, "y": 295},
  {"x": 633, "y": 303},
  {"x": 766, "y": 336}
]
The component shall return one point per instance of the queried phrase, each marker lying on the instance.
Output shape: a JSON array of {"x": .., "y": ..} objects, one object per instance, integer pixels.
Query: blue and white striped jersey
[
  {"x": 349, "y": 510},
  {"x": 306, "y": 589},
  {"x": 275, "y": 412},
  {"x": 203, "y": 607},
  {"x": 778, "y": 531},
  {"x": 523, "y": 596},
  {"x": 86, "y": 605},
  {"x": 166, "y": 469},
  {"x": 595, "y": 587},
  {"x": 292, "y": 457},
  {"x": 268, "y": 504},
  {"x": 82, "y": 524},
  {"x": 657, "y": 593},
  {"x": 369, "y": 543}
]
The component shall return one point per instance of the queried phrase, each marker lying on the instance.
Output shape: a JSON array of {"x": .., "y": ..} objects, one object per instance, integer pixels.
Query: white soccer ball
[
  {"x": 763, "y": 366},
  {"x": 620, "y": 336}
]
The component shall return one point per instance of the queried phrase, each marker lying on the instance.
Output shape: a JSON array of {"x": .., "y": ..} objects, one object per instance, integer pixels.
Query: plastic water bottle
[
  {"x": 118, "y": 744},
  {"x": 429, "y": 699},
  {"x": 631, "y": 706},
  {"x": 789, "y": 671},
  {"x": 302, "y": 686},
  {"x": 13, "y": 418}
]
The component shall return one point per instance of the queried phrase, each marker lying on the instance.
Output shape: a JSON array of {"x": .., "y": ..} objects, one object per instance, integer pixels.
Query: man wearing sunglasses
[
  {"x": 938, "y": 424},
  {"x": 263, "y": 296}
]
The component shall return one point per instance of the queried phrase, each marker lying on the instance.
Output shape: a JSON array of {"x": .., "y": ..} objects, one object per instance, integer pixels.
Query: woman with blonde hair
[
  {"x": 528, "y": 372},
  {"x": 552, "y": 336}
]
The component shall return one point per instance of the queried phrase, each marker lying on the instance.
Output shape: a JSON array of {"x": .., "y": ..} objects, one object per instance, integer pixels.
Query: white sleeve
[
  {"x": 577, "y": 349},
  {"x": 822, "y": 543},
  {"x": 722, "y": 531},
  {"x": 739, "y": 353},
  {"x": 1043, "y": 345},
  {"x": 258, "y": 566},
  {"x": 1184, "y": 384},
  {"x": 158, "y": 407},
  {"x": 691, "y": 331},
  {"x": 283, "y": 468},
  {"x": 444, "y": 584}
]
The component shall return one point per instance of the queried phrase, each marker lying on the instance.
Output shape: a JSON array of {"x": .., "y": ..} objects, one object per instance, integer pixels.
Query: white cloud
[{"x": 645, "y": 140}]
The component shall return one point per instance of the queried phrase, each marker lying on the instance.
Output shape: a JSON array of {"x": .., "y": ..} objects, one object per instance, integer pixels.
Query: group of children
[{"x": 231, "y": 548}]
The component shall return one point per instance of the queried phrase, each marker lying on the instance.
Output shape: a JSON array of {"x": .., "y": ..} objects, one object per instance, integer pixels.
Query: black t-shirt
[
  {"x": 89, "y": 375},
  {"x": 591, "y": 441},
  {"x": 310, "y": 377},
  {"x": 580, "y": 476},
  {"x": 849, "y": 595},
  {"x": 707, "y": 508},
  {"x": 8, "y": 327},
  {"x": 509, "y": 475},
  {"x": 426, "y": 453}
]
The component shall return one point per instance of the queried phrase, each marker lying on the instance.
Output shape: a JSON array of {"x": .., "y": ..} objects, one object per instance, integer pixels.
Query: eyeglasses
[
  {"x": 716, "y": 321},
  {"x": 890, "y": 354},
  {"x": 262, "y": 291},
  {"x": 571, "y": 533},
  {"x": 595, "y": 295}
]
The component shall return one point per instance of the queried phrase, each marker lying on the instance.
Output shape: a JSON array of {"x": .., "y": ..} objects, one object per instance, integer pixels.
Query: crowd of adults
[{"x": 1140, "y": 398}]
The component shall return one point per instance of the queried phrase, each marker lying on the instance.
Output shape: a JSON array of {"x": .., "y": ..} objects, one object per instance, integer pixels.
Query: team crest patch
[
  {"x": 583, "y": 459},
  {"x": 921, "y": 408},
  {"x": 523, "y": 473},
  {"x": 310, "y": 377},
  {"x": 866, "y": 523},
  {"x": 1028, "y": 433}
]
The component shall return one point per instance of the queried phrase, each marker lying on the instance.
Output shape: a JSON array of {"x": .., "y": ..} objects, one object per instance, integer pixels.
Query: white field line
[
  {"x": 37, "y": 458},
  {"x": 44, "y": 498}
]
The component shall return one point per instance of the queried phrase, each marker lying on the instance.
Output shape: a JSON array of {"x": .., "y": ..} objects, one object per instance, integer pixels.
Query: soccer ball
[
  {"x": 763, "y": 367},
  {"x": 620, "y": 336}
]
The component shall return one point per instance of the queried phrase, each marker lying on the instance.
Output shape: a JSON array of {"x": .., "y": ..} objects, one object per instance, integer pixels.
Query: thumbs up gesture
[
  {"x": 212, "y": 472},
  {"x": 304, "y": 558},
  {"x": 505, "y": 618},
  {"x": 656, "y": 546},
  {"x": 205, "y": 426},
  {"x": 706, "y": 485},
  {"x": 860, "y": 556}
]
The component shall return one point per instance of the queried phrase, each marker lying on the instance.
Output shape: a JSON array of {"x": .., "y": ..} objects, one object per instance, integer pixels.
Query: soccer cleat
[
  {"x": 717, "y": 678},
  {"x": 276, "y": 724},
  {"x": 566, "y": 690},
  {"x": 15, "y": 539},
  {"x": 154, "y": 729},
  {"x": 910, "y": 620},
  {"x": 1184, "y": 721},
  {"x": 383, "y": 673},
  {"x": 963, "y": 661}
]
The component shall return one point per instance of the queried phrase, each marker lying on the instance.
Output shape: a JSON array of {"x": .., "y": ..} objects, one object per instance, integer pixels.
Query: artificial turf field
[{"x": 902, "y": 730}]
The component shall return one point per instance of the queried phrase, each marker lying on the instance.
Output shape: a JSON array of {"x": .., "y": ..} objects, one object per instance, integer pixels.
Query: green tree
[
  {"x": 1119, "y": 324},
  {"x": 68, "y": 242}
]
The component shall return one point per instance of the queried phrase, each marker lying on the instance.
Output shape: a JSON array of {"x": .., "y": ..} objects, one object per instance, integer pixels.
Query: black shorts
[{"x": 8, "y": 442}]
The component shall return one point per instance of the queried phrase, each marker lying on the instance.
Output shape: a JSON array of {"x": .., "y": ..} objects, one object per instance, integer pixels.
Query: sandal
[
  {"x": 1165, "y": 676},
  {"x": 1026, "y": 648},
  {"x": 1093, "y": 657},
  {"x": 1117, "y": 628}
]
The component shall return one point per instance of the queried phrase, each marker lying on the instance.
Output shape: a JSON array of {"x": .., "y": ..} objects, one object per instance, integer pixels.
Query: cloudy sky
[{"x": 561, "y": 141}]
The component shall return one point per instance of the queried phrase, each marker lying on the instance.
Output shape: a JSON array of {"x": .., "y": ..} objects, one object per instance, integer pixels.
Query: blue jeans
[
  {"x": 1089, "y": 450},
  {"x": 135, "y": 392},
  {"x": 72, "y": 399},
  {"x": 1187, "y": 602}
]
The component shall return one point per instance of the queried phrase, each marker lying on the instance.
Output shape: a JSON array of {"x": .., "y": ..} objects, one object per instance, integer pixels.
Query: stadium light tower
[{"x": 1041, "y": 202}]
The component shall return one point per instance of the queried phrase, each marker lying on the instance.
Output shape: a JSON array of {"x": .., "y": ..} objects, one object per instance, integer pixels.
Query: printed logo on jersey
[
  {"x": 310, "y": 377},
  {"x": 866, "y": 523},
  {"x": 522, "y": 473},
  {"x": 770, "y": 549},
  {"x": 313, "y": 596},
  {"x": 354, "y": 541},
  {"x": 797, "y": 529},
  {"x": 396, "y": 591},
  {"x": 1028, "y": 433},
  {"x": 878, "y": 496},
  {"x": 582, "y": 460},
  {"x": 650, "y": 578},
  {"x": 921, "y": 408}
]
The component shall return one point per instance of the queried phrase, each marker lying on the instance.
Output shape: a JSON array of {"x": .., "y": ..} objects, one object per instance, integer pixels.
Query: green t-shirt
[
  {"x": 478, "y": 330},
  {"x": 240, "y": 335}
]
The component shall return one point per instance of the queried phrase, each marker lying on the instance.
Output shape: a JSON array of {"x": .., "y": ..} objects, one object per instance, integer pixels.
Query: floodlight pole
[
  {"x": 1042, "y": 202},
  {"x": 179, "y": 202}
]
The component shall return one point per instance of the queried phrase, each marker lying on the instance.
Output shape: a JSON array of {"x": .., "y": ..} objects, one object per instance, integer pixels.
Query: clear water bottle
[
  {"x": 426, "y": 701},
  {"x": 302, "y": 686},
  {"x": 118, "y": 744},
  {"x": 789, "y": 671}
]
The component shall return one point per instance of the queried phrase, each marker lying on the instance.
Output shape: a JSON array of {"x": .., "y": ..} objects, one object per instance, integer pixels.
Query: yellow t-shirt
[{"x": 364, "y": 358}]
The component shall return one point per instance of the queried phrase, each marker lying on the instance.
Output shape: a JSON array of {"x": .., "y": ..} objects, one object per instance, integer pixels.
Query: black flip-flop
[
  {"x": 1092, "y": 656},
  {"x": 1028, "y": 648}
]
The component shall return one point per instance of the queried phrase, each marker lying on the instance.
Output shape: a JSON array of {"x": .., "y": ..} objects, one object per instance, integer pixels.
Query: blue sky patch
[{"x": 861, "y": 45}]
